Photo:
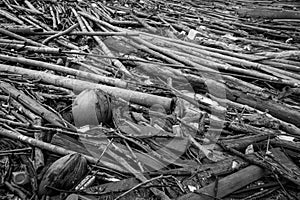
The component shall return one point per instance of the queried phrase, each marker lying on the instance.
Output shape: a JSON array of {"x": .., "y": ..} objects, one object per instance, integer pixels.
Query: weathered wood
[
  {"x": 227, "y": 185},
  {"x": 119, "y": 186},
  {"x": 54, "y": 149},
  {"x": 268, "y": 163},
  {"x": 234, "y": 79},
  {"x": 286, "y": 165},
  {"x": 242, "y": 143},
  {"x": 59, "y": 68},
  {"x": 278, "y": 110},
  {"x": 31, "y": 104},
  {"x": 79, "y": 85},
  {"x": 16, "y": 36},
  {"x": 286, "y": 144},
  {"x": 268, "y": 13},
  {"x": 108, "y": 52}
]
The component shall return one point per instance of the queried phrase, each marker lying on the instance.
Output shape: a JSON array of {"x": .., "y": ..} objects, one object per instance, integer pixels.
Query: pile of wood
[{"x": 149, "y": 99}]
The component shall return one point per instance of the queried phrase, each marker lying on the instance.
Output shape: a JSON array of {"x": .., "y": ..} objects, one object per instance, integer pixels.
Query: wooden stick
[
  {"x": 79, "y": 20},
  {"x": 278, "y": 110},
  {"x": 31, "y": 6},
  {"x": 22, "y": 47},
  {"x": 13, "y": 35},
  {"x": 107, "y": 51},
  {"x": 54, "y": 149},
  {"x": 283, "y": 54},
  {"x": 231, "y": 58},
  {"x": 11, "y": 17},
  {"x": 31, "y": 104},
  {"x": 137, "y": 186},
  {"x": 139, "y": 176},
  {"x": 35, "y": 12},
  {"x": 268, "y": 13},
  {"x": 68, "y": 30},
  {"x": 144, "y": 23},
  {"x": 95, "y": 33},
  {"x": 82, "y": 74},
  {"x": 79, "y": 85},
  {"x": 11, "y": 41},
  {"x": 201, "y": 49},
  {"x": 41, "y": 128}
]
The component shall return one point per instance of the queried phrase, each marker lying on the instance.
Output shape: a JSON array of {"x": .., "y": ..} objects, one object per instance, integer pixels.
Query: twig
[
  {"x": 91, "y": 169},
  {"x": 208, "y": 195},
  {"x": 68, "y": 30},
  {"x": 139, "y": 185}
]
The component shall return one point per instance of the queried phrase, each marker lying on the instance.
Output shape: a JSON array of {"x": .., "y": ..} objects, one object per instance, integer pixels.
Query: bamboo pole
[
  {"x": 31, "y": 104},
  {"x": 82, "y": 74},
  {"x": 85, "y": 33},
  {"x": 68, "y": 30},
  {"x": 232, "y": 58},
  {"x": 11, "y": 17},
  {"x": 107, "y": 51},
  {"x": 53, "y": 148},
  {"x": 286, "y": 77},
  {"x": 16, "y": 36},
  {"x": 22, "y": 47},
  {"x": 79, "y": 85}
]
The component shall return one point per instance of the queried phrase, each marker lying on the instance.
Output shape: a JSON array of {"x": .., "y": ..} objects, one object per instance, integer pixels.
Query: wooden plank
[{"x": 227, "y": 185}]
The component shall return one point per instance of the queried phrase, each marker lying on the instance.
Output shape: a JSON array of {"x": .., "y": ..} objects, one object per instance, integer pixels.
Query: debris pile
[{"x": 149, "y": 99}]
